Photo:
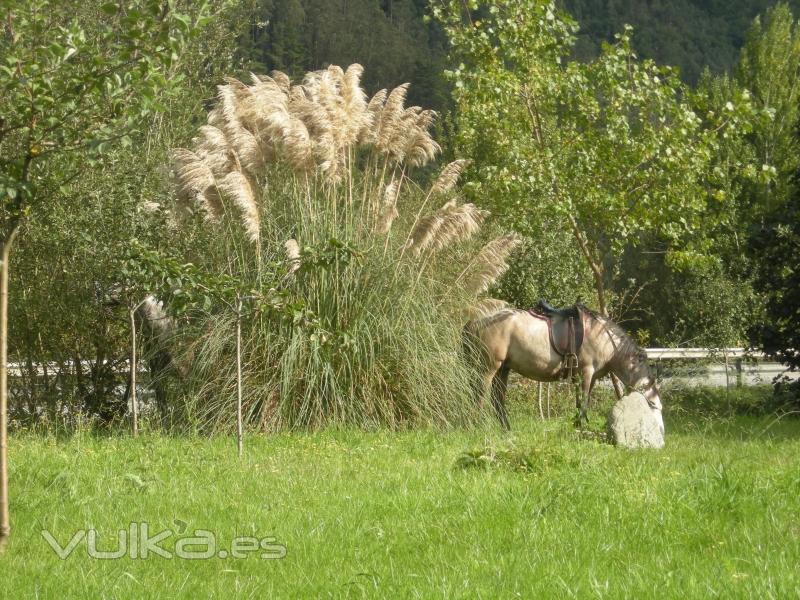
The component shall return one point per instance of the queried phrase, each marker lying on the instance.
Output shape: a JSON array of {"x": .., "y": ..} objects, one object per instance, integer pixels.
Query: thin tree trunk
[
  {"x": 80, "y": 384},
  {"x": 134, "y": 402},
  {"x": 599, "y": 286},
  {"x": 5, "y": 522},
  {"x": 594, "y": 265},
  {"x": 29, "y": 381},
  {"x": 239, "y": 443}
]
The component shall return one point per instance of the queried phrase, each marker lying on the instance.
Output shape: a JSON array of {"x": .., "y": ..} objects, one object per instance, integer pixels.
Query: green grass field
[{"x": 534, "y": 513}]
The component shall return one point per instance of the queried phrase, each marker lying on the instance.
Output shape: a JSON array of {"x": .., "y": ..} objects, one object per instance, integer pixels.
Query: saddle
[{"x": 566, "y": 332}]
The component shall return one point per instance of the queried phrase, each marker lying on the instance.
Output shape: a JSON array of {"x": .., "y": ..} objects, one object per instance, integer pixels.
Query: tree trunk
[
  {"x": 599, "y": 286},
  {"x": 5, "y": 524},
  {"x": 595, "y": 265}
]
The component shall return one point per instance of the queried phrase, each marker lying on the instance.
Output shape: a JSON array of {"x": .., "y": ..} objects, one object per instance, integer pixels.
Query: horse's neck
[{"x": 609, "y": 343}]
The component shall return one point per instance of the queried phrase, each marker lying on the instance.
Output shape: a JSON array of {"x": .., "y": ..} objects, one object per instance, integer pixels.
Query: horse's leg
[
  {"x": 583, "y": 395},
  {"x": 499, "y": 386}
]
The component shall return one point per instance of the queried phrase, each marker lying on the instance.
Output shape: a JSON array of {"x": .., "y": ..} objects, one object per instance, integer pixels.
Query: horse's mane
[{"x": 626, "y": 346}]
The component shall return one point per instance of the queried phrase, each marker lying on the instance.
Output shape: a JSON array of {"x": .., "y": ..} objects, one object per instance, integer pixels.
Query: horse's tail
[
  {"x": 473, "y": 347},
  {"x": 471, "y": 343},
  {"x": 473, "y": 352}
]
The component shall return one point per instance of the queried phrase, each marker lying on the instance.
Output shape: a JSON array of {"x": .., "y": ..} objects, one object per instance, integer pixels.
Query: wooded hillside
[
  {"x": 395, "y": 43},
  {"x": 689, "y": 34}
]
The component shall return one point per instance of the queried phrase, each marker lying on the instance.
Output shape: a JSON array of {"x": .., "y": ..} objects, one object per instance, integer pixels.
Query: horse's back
[
  {"x": 491, "y": 323},
  {"x": 487, "y": 336}
]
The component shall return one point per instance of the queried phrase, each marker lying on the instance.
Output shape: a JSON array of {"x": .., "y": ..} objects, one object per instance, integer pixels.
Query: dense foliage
[
  {"x": 395, "y": 43},
  {"x": 87, "y": 124},
  {"x": 777, "y": 244},
  {"x": 770, "y": 66}
]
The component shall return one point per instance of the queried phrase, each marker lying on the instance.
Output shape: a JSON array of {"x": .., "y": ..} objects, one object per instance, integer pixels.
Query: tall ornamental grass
[{"x": 360, "y": 278}]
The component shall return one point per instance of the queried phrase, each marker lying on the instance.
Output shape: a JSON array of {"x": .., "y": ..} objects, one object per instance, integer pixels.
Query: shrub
[{"x": 360, "y": 277}]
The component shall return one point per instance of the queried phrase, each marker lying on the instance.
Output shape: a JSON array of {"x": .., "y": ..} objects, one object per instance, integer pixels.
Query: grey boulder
[{"x": 632, "y": 423}]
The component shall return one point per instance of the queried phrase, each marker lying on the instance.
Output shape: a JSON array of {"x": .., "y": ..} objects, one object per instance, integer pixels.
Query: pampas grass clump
[{"x": 303, "y": 193}]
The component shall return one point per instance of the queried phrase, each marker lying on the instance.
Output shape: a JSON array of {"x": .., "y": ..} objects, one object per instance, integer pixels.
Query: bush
[{"x": 358, "y": 283}]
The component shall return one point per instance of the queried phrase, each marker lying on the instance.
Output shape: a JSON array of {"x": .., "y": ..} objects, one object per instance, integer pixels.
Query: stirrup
[{"x": 570, "y": 366}]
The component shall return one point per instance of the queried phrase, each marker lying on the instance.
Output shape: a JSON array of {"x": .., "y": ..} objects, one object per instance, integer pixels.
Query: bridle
[
  {"x": 651, "y": 381},
  {"x": 648, "y": 385}
]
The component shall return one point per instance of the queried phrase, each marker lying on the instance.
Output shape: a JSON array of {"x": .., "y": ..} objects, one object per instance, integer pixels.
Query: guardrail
[
  {"x": 730, "y": 366},
  {"x": 675, "y": 353},
  {"x": 17, "y": 369}
]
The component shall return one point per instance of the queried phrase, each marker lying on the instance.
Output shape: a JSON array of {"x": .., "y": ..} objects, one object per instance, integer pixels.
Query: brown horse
[{"x": 516, "y": 340}]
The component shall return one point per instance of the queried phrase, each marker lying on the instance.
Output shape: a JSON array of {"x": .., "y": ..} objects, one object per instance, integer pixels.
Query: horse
[{"x": 518, "y": 340}]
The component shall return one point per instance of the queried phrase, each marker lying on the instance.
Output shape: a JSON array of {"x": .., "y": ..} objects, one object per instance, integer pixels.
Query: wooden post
[
  {"x": 539, "y": 398},
  {"x": 727, "y": 378},
  {"x": 548, "y": 400},
  {"x": 134, "y": 401},
  {"x": 239, "y": 442},
  {"x": 738, "y": 364}
]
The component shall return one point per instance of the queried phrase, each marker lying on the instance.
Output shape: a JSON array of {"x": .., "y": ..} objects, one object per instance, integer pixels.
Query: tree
[
  {"x": 73, "y": 83},
  {"x": 610, "y": 148},
  {"x": 778, "y": 245},
  {"x": 769, "y": 66},
  {"x": 710, "y": 302}
]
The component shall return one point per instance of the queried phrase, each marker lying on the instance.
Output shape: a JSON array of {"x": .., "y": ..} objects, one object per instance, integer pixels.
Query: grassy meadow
[{"x": 538, "y": 512}]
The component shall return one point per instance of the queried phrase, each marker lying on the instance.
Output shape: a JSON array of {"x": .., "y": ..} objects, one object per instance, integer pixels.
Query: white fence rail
[
  {"x": 698, "y": 366},
  {"x": 700, "y": 353},
  {"x": 716, "y": 366},
  {"x": 16, "y": 369}
]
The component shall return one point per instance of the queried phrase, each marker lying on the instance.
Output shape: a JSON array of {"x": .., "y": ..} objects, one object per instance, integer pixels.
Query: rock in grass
[{"x": 633, "y": 424}]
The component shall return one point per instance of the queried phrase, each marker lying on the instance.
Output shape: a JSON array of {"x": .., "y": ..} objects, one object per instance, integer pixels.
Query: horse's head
[
  {"x": 651, "y": 394},
  {"x": 641, "y": 378}
]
